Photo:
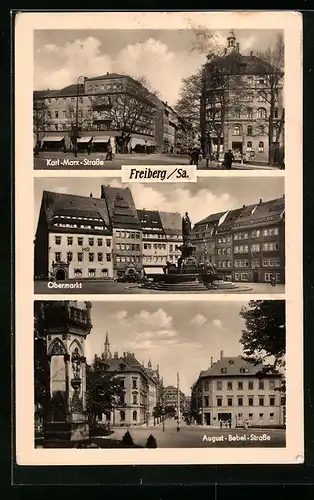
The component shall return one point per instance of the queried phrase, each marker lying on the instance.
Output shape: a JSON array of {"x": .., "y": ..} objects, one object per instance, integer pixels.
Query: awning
[
  {"x": 53, "y": 138},
  {"x": 151, "y": 143},
  {"x": 84, "y": 139},
  {"x": 136, "y": 141},
  {"x": 101, "y": 138},
  {"x": 153, "y": 270}
]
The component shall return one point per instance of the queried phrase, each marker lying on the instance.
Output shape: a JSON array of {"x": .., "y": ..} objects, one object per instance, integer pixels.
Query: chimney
[
  {"x": 221, "y": 355},
  {"x": 244, "y": 206},
  {"x": 238, "y": 47},
  {"x": 283, "y": 196},
  {"x": 211, "y": 361},
  {"x": 124, "y": 355},
  {"x": 261, "y": 201},
  {"x": 251, "y": 53},
  {"x": 91, "y": 195},
  {"x": 107, "y": 72}
]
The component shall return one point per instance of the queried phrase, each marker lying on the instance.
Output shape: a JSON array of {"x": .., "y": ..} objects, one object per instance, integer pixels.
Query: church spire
[{"x": 107, "y": 352}]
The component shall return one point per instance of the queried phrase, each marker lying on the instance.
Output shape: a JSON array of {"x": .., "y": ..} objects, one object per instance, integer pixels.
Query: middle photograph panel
[{"x": 216, "y": 236}]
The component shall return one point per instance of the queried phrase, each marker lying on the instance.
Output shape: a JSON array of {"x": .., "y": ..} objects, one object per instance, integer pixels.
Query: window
[
  {"x": 135, "y": 416},
  {"x": 261, "y": 385},
  {"x": 78, "y": 273},
  {"x": 251, "y": 385},
  {"x": 91, "y": 257},
  {"x": 108, "y": 257},
  {"x": 205, "y": 386},
  {"x": 236, "y": 130},
  {"x": 57, "y": 256},
  {"x": 122, "y": 416},
  {"x": 56, "y": 114},
  {"x": 251, "y": 401},
  {"x": 69, "y": 256},
  {"x": 261, "y": 401},
  {"x": 240, "y": 386},
  {"x": 91, "y": 242},
  {"x": 134, "y": 399},
  {"x": 275, "y": 112},
  {"x": 100, "y": 256},
  {"x": 271, "y": 400},
  {"x": 229, "y": 386},
  {"x": 80, "y": 241},
  {"x": 219, "y": 386},
  {"x": 249, "y": 113},
  {"x": 58, "y": 240},
  {"x": 206, "y": 401},
  {"x": 240, "y": 401},
  {"x": 261, "y": 113},
  {"x": 219, "y": 401},
  {"x": 250, "y": 416},
  {"x": 249, "y": 146},
  {"x": 255, "y": 247},
  {"x": 237, "y": 113},
  {"x": 272, "y": 385},
  {"x": 261, "y": 416},
  {"x": 134, "y": 383},
  {"x": 70, "y": 240},
  {"x": 108, "y": 243},
  {"x": 92, "y": 273},
  {"x": 229, "y": 402},
  {"x": 261, "y": 147},
  {"x": 271, "y": 416}
]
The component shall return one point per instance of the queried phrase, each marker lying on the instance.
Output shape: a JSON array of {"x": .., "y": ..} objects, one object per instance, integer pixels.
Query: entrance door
[
  {"x": 225, "y": 418},
  {"x": 207, "y": 419},
  {"x": 237, "y": 147},
  {"x": 255, "y": 277},
  {"x": 60, "y": 274}
]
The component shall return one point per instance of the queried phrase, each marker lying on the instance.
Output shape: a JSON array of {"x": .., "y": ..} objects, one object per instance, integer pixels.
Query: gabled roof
[
  {"x": 262, "y": 213},
  {"x": 171, "y": 222},
  {"x": 236, "y": 63},
  {"x": 149, "y": 219},
  {"x": 231, "y": 366},
  {"x": 61, "y": 204},
  {"x": 227, "y": 224},
  {"x": 121, "y": 207},
  {"x": 211, "y": 219}
]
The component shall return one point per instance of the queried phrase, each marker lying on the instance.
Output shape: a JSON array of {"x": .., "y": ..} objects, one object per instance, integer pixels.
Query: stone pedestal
[{"x": 67, "y": 325}]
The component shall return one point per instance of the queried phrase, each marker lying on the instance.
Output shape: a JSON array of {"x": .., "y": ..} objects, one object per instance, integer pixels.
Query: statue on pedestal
[{"x": 186, "y": 227}]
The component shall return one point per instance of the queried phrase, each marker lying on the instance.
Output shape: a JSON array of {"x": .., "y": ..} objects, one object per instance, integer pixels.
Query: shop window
[
  {"x": 261, "y": 147},
  {"x": 249, "y": 145}
]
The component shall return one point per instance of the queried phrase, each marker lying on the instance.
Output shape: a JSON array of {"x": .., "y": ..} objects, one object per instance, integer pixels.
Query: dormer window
[
  {"x": 242, "y": 370},
  {"x": 231, "y": 362},
  {"x": 122, "y": 367},
  {"x": 223, "y": 370}
]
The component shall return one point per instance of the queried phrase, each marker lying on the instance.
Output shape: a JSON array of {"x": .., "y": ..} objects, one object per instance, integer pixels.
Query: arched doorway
[{"x": 60, "y": 274}]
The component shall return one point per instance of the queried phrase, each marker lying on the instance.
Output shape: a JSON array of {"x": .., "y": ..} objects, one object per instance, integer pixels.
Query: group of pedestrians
[{"x": 196, "y": 155}]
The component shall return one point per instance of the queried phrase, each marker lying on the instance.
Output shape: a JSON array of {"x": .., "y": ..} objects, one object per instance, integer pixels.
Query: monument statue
[
  {"x": 186, "y": 226},
  {"x": 76, "y": 364}
]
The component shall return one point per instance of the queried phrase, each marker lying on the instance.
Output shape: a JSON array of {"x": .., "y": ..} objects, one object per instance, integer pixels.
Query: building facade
[
  {"x": 73, "y": 238},
  {"x": 170, "y": 397},
  {"x": 154, "y": 246},
  {"x": 238, "y": 112},
  {"x": 204, "y": 237},
  {"x": 126, "y": 230},
  {"x": 172, "y": 226},
  {"x": 230, "y": 393},
  {"x": 224, "y": 248},
  {"x": 140, "y": 386}
]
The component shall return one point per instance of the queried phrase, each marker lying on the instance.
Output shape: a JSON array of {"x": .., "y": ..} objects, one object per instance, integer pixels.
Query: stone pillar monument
[{"x": 67, "y": 324}]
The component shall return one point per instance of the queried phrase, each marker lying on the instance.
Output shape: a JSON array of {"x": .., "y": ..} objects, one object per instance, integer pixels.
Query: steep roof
[
  {"x": 130, "y": 363},
  {"x": 237, "y": 63},
  {"x": 69, "y": 91},
  {"x": 171, "y": 222},
  {"x": 262, "y": 213},
  {"x": 149, "y": 219},
  {"x": 61, "y": 204},
  {"x": 231, "y": 366},
  {"x": 211, "y": 218},
  {"x": 40, "y": 94},
  {"x": 121, "y": 207},
  {"x": 232, "y": 216}
]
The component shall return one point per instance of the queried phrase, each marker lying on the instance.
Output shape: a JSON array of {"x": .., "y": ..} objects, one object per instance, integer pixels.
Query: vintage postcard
[{"x": 158, "y": 238}]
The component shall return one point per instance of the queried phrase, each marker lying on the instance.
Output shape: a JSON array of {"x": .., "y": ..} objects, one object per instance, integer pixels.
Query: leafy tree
[
  {"x": 264, "y": 336},
  {"x": 104, "y": 390},
  {"x": 41, "y": 119},
  {"x": 130, "y": 109},
  {"x": 76, "y": 121}
]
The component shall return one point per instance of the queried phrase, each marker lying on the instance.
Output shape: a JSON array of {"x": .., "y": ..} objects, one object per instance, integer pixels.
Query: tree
[
  {"x": 77, "y": 120},
  {"x": 41, "y": 119},
  {"x": 273, "y": 74},
  {"x": 264, "y": 337},
  {"x": 131, "y": 109},
  {"x": 104, "y": 390}
]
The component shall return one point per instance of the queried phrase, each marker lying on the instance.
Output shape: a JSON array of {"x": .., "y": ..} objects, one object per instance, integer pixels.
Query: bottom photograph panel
[{"x": 166, "y": 374}]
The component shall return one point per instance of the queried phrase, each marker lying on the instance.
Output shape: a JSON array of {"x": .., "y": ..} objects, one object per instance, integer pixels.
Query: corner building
[
  {"x": 230, "y": 391},
  {"x": 73, "y": 238}
]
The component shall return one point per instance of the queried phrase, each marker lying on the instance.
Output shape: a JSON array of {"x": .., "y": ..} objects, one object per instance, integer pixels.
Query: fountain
[{"x": 188, "y": 275}]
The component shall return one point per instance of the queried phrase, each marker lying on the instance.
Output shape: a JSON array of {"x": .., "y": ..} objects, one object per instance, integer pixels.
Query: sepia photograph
[
  {"x": 218, "y": 235},
  {"x": 156, "y": 374},
  {"x": 210, "y": 98}
]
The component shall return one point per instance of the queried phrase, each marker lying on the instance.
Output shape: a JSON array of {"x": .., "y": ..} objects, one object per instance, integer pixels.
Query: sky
[
  {"x": 163, "y": 57},
  {"x": 179, "y": 339},
  {"x": 200, "y": 199}
]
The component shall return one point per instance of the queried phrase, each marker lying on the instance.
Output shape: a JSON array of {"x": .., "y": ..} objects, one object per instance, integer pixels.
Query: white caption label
[{"x": 159, "y": 173}]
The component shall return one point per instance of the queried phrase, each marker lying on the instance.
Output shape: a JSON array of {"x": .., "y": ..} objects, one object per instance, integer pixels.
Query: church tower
[
  {"x": 107, "y": 352},
  {"x": 231, "y": 42}
]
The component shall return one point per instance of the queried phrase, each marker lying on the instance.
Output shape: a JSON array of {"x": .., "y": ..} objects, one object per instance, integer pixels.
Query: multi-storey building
[
  {"x": 73, "y": 238},
  {"x": 126, "y": 230},
  {"x": 223, "y": 242},
  {"x": 172, "y": 225},
  {"x": 258, "y": 237},
  {"x": 170, "y": 397},
  {"x": 140, "y": 387},
  {"x": 237, "y": 112},
  {"x": 230, "y": 392},
  {"x": 204, "y": 237},
  {"x": 91, "y": 110},
  {"x": 154, "y": 245}
]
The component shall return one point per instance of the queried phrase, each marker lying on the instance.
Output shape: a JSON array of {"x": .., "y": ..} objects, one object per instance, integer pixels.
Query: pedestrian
[
  {"x": 228, "y": 159},
  {"x": 220, "y": 422},
  {"x": 230, "y": 424},
  {"x": 89, "y": 148}
]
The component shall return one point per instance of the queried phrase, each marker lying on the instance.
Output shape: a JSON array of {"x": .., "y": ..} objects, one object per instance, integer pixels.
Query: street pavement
[
  {"x": 44, "y": 160},
  {"x": 113, "y": 287},
  {"x": 193, "y": 436}
]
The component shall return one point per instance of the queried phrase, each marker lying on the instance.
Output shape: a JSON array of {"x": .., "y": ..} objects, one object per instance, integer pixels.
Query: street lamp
[
  {"x": 80, "y": 81},
  {"x": 163, "y": 412}
]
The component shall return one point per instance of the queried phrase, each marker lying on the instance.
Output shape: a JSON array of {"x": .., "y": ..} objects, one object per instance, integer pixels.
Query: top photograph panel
[{"x": 204, "y": 97}]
